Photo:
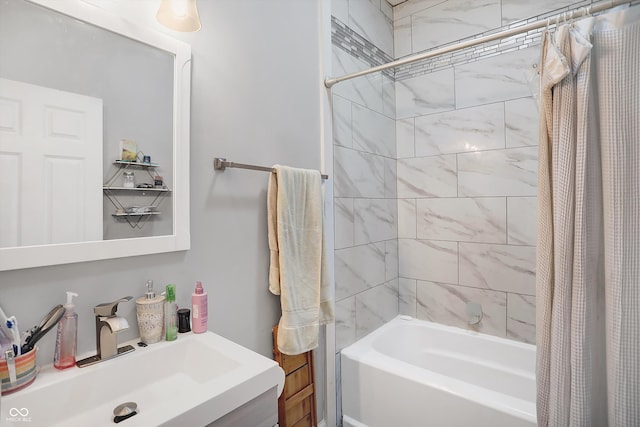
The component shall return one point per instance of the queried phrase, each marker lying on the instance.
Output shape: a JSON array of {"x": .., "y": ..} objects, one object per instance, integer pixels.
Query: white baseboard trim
[{"x": 322, "y": 424}]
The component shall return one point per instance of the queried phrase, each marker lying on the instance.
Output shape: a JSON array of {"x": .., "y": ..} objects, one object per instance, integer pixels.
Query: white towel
[{"x": 298, "y": 270}]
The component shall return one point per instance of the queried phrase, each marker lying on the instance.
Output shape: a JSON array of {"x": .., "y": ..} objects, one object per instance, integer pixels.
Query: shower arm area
[{"x": 566, "y": 16}]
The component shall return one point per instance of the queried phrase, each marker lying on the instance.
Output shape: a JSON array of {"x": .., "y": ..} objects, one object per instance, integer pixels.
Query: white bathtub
[{"x": 416, "y": 373}]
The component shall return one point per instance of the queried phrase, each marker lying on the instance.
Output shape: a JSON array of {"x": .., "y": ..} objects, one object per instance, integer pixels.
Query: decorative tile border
[
  {"x": 356, "y": 45},
  {"x": 353, "y": 43}
]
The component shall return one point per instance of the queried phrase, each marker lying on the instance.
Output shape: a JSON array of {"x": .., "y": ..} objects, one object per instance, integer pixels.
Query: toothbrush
[
  {"x": 12, "y": 324},
  {"x": 3, "y": 322}
]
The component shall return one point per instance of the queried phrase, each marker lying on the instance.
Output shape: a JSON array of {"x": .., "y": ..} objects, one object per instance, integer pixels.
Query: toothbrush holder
[{"x": 19, "y": 372}]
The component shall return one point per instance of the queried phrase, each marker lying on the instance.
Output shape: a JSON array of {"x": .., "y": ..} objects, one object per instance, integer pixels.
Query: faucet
[{"x": 107, "y": 327}]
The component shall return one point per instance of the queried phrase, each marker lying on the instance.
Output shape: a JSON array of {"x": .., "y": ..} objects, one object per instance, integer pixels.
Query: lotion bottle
[
  {"x": 170, "y": 314},
  {"x": 65, "y": 355},
  {"x": 199, "y": 310},
  {"x": 150, "y": 314}
]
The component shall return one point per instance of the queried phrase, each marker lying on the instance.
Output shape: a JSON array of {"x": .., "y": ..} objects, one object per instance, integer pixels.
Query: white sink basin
[{"x": 188, "y": 382}]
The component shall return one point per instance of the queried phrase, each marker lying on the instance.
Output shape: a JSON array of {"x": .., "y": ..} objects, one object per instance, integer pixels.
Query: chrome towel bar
[{"x": 221, "y": 164}]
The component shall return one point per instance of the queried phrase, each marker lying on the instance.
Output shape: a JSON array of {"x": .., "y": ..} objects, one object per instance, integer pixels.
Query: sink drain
[{"x": 124, "y": 411}]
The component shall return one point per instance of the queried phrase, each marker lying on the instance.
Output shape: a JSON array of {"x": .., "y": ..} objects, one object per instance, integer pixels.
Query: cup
[
  {"x": 183, "y": 320},
  {"x": 22, "y": 368}
]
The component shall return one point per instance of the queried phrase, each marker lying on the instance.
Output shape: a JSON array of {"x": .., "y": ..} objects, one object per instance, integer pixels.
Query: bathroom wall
[
  {"x": 366, "y": 255},
  {"x": 467, "y": 165},
  {"x": 256, "y": 87}
]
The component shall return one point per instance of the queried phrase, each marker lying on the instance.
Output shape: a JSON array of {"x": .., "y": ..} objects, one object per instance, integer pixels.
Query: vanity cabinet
[
  {"x": 259, "y": 412},
  {"x": 145, "y": 193}
]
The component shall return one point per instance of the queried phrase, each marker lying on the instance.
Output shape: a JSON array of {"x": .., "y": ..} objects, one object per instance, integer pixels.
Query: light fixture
[{"x": 179, "y": 15}]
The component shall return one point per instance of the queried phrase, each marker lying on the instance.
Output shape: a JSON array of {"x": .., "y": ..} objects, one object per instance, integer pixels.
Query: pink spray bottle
[{"x": 199, "y": 310}]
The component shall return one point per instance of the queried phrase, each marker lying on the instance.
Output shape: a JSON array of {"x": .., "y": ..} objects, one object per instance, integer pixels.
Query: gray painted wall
[{"x": 255, "y": 99}]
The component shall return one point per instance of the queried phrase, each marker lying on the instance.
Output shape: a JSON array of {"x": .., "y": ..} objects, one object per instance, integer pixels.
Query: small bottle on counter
[
  {"x": 170, "y": 314},
  {"x": 183, "y": 320},
  {"x": 199, "y": 309}
]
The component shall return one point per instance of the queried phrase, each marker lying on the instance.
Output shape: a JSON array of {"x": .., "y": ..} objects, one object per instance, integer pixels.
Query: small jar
[{"x": 129, "y": 180}]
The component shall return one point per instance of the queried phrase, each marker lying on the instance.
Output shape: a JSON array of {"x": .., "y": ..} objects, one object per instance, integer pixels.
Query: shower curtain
[{"x": 588, "y": 254}]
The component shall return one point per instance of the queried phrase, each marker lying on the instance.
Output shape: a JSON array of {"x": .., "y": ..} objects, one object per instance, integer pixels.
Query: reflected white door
[{"x": 50, "y": 166}]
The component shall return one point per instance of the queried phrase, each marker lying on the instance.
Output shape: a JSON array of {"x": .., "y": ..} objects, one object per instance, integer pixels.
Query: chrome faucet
[{"x": 107, "y": 327}]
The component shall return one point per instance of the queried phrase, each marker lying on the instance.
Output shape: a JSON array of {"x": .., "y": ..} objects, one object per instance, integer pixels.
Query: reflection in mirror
[
  {"x": 73, "y": 94},
  {"x": 93, "y": 88}
]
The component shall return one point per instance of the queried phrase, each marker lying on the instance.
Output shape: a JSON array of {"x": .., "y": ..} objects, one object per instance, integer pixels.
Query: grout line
[
  {"x": 413, "y": 120},
  {"x": 457, "y": 153},
  {"x": 465, "y": 242},
  {"x": 506, "y": 216},
  {"x": 415, "y": 287},
  {"x": 457, "y": 178},
  {"x": 504, "y": 122},
  {"x": 415, "y": 208},
  {"x": 455, "y": 102},
  {"x": 458, "y": 248}
]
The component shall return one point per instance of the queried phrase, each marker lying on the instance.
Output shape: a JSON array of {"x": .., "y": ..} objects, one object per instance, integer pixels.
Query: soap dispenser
[
  {"x": 150, "y": 314},
  {"x": 66, "y": 340}
]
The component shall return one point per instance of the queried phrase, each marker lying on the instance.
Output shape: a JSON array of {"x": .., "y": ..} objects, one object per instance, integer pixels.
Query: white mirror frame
[{"x": 36, "y": 256}]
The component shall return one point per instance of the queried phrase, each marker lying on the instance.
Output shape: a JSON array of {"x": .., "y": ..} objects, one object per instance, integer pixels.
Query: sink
[{"x": 192, "y": 381}]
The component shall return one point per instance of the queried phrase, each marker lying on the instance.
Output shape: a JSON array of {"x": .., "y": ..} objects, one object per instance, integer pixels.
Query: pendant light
[{"x": 179, "y": 15}]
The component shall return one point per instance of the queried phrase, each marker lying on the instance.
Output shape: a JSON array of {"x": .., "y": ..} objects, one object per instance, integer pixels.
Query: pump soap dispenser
[
  {"x": 150, "y": 314},
  {"x": 66, "y": 340}
]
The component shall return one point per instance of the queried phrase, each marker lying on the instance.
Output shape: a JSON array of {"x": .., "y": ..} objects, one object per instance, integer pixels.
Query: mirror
[{"x": 77, "y": 84}]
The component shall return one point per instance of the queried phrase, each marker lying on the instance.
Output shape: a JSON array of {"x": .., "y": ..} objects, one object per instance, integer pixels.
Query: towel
[{"x": 298, "y": 271}]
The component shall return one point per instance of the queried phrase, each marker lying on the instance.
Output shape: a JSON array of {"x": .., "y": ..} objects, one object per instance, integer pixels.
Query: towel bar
[{"x": 221, "y": 164}]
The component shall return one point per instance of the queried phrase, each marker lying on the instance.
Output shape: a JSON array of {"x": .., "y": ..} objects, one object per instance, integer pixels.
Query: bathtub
[{"x": 412, "y": 372}]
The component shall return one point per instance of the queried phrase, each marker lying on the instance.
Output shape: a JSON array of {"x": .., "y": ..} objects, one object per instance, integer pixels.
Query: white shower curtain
[{"x": 588, "y": 254}]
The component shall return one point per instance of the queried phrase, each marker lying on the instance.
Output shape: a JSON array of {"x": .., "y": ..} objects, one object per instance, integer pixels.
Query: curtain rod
[
  {"x": 329, "y": 82},
  {"x": 221, "y": 164}
]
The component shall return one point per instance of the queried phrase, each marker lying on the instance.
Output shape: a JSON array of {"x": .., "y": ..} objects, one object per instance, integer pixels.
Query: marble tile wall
[
  {"x": 420, "y": 25},
  {"x": 365, "y": 152},
  {"x": 466, "y": 226},
  {"x": 435, "y": 167},
  {"x": 466, "y": 143},
  {"x": 452, "y": 20},
  {"x": 372, "y": 19},
  {"x": 460, "y": 196}
]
